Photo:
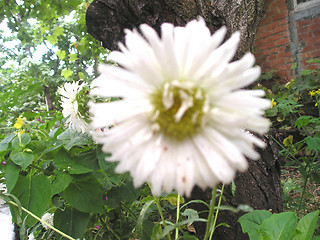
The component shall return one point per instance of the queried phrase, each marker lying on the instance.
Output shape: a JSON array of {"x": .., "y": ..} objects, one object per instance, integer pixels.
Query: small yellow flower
[
  {"x": 318, "y": 92},
  {"x": 312, "y": 93},
  {"x": 273, "y": 103},
  {"x": 316, "y": 104},
  {"x": 19, "y": 123}
]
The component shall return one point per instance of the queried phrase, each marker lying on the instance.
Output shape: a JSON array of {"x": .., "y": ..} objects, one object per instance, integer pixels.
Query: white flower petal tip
[
  {"x": 183, "y": 116},
  {"x": 74, "y": 105}
]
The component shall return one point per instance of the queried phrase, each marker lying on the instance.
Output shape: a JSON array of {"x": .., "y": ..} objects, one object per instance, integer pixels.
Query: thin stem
[
  {"x": 109, "y": 228},
  {"x": 303, "y": 192},
  {"x": 216, "y": 215},
  {"x": 40, "y": 220},
  {"x": 161, "y": 214},
  {"x": 211, "y": 211},
  {"x": 178, "y": 214}
]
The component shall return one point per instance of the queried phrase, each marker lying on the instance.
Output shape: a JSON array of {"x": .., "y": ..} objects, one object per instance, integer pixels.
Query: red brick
[
  {"x": 316, "y": 54},
  {"x": 281, "y": 15},
  {"x": 281, "y": 42},
  {"x": 267, "y": 46},
  {"x": 304, "y": 22},
  {"x": 302, "y": 29},
  {"x": 284, "y": 54},
  {"x": 305, "y": 35},
  {"x": 278, "y": 62},
  {"x": 280, "y": 28},
  {"x": 312, "y": 40},
  {"x": 309, "y": 47},
  {"x": 316, "y": 33},
  {"x": 306, "y": 55}
]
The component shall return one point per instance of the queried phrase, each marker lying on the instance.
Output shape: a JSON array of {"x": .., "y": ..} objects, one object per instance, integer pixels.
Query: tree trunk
[{"x": 259, "y": 187}]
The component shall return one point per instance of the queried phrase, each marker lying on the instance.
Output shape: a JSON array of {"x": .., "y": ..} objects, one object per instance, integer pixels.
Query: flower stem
[
  {"x": 161, "y": 214},
  {"x": 216, "y": 215},
  {"x": 210, "y": 216},
  {"x": 40, "y": 220},
  {"x": 178, "y": 214}
]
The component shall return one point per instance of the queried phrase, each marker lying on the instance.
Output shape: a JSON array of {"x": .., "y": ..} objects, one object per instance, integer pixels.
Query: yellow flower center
[{"x": 179, "y": 109}]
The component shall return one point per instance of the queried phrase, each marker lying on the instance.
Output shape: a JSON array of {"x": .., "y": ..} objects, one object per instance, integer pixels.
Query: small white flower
[
  {"x": 182, "y": 118},
  {"x": 74, "y": 103},
  {"x": 31, "y": 237},
  {"x": 48, "y": 218}
]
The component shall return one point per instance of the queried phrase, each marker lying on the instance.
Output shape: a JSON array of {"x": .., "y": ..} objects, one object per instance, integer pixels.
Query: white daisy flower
[
  {"x": 182, "y": 119},
  {"x": 48, "y": 218},
  {"x": 74, "y": 99}
]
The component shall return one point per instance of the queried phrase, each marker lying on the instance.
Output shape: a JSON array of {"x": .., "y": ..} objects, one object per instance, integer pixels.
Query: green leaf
[
  {"x": 34, "y": 193},
  {"x": 64, "y": 161},
  {"x": 172, "y": 198},
  {"x": 85, "y": 194},
  {"x": 61, "y": 54},
  {"x": 190, "y": 213},
  {"x": 302, "y": 121},
  {"x": 142, "y": 219},
  {"x": 24, "y": 140},
  {"x": 71, "y": 222},
  {"x": 11, "y": 175},
  {"x": 66, "y": 73},
  {"x": 306, "y": 226},
  {"x": 22, "y": 159},
  {"x": 313, "y": 143},
  {"x": 61, "y": 182},
  {"x": 5, "y": 142},
  {"x": 156, "y": 232},
  {"x": 81, "y": 76},
  {"x": 58, "y": 31},
  {"x": 73, "y": 57},
  {"x": 72, "y": 138},
  {"x": 251, "y": 222},
  {"x": 126, "y": 192},
  {"x": 279, "y": 226},
  {"x": 52, "y": 39}
]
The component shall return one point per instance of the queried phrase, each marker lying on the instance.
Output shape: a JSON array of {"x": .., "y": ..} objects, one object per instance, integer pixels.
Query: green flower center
[
  {"x": 82, "y": 99},
  {"x": 179, "y": 109}
]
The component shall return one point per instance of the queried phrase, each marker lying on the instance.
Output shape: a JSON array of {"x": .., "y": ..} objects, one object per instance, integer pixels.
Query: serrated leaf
[
  {"x": 81, "y": 75},
  {"x": 22, "y": 159},
  {"x": 58, "y": 31},
  {"x": 251, "y": 222},
  {"x": 52, "y": 39},
  {"x": 66, "y": 73},
  {"x": 73, "y": 57},
  {"x": 313, "y": 143},
  {"x": 34, "y": 193},
  {"x": 61, "y": 54},
  {"x": 279, "y": 226},
  {"x": 306, "y": 226},
  {"x": 85, "y": 194},
  {"x": 71, "y": 221}
]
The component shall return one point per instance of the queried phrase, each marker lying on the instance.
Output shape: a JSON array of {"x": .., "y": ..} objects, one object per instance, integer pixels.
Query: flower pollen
[{"x": 179, "y": 109}]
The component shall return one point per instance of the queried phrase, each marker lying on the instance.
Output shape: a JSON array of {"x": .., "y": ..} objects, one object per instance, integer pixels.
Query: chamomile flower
[
  {"x": 48, "y": 218},
  {"x": 74, "y": 99},
  {"x": 182, "y": 118}
]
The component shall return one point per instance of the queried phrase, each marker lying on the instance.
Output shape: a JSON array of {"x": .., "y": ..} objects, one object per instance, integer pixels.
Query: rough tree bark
[{"x": 259, "y": 187}]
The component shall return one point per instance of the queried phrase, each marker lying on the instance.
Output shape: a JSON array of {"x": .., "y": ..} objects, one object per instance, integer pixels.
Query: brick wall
[
  {"x": 274, "y": 44},
  {"x": 309, "y": 40}
]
